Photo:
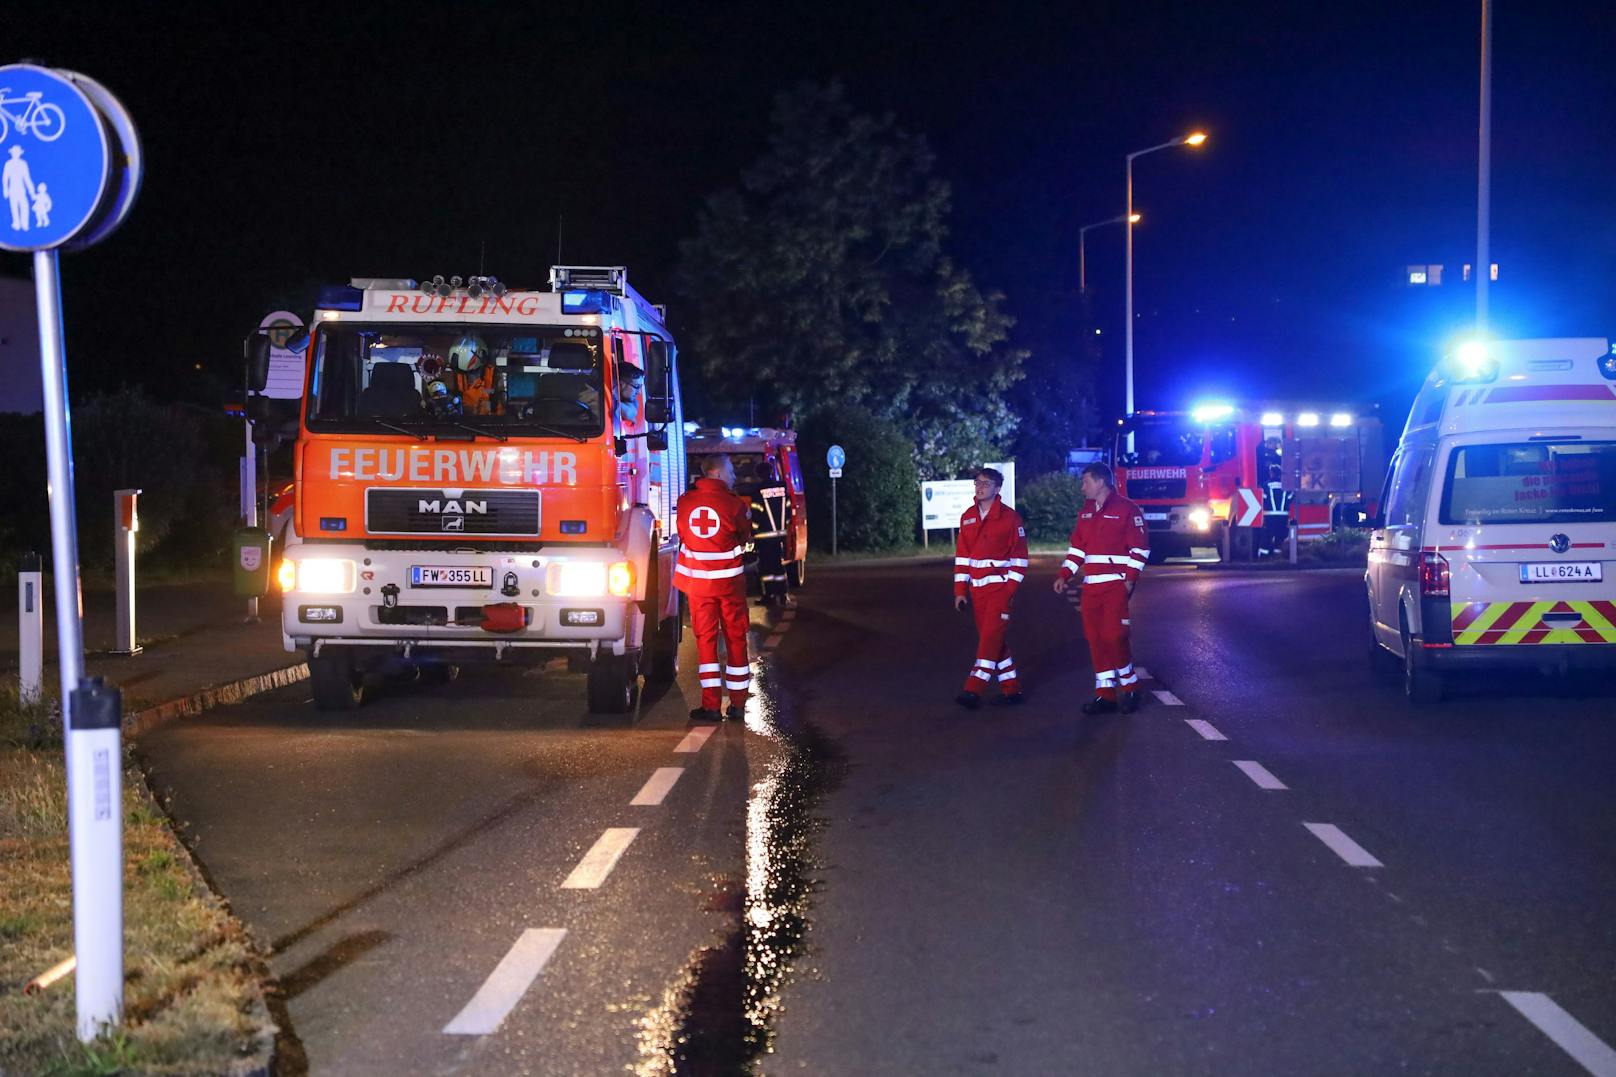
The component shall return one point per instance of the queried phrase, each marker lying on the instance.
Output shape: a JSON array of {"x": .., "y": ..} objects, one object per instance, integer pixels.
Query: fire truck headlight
[
  {"x": 1308, "y": 418},
  {"x": 286, "y": 575},
  {"x": 578, "y": 579},
  {"x": 620, "y": 579},
  {"x": 1200, "y": 518},
  {"x": 323, "y": 576}
]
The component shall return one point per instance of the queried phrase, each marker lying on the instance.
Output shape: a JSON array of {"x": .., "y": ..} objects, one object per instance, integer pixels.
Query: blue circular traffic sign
[
  {"x": 55, "y": 159},
  {"x": 835, "y": 457}
]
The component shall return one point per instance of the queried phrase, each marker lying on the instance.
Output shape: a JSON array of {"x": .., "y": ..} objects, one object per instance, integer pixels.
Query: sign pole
[
  {"x": 833, "y": 517},
  {"x": 249, "y": 497},
  {"x": 94, "y": 755}
]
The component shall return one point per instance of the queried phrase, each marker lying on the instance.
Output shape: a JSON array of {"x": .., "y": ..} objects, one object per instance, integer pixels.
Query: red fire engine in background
[
  {"x": 1237, "y": 477},
  {"x": 768, "y": 473}
]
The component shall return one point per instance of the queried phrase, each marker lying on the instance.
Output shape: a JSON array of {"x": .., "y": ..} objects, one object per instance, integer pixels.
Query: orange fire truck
[
  {"x": 485, "y": 474},
  {"x": 768, "y": 473},
  {"x": 1237, "y": 477}
]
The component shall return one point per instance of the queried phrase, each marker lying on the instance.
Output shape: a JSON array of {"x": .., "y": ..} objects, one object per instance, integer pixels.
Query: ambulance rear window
[{"x": 1531, "y": 482}]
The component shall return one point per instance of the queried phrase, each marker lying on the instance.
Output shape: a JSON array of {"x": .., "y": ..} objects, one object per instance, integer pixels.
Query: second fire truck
[{"x": 1237, "y": 477}]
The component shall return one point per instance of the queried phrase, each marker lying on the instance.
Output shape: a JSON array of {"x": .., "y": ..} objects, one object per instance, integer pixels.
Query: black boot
[
  {"x": 1100, "y": 706},
  {"x": 969, "y": 700},
  {"x": 736, "y": 713},
  {"x": 702, "y": 714},
  {"x": 1129, "y": 702}
]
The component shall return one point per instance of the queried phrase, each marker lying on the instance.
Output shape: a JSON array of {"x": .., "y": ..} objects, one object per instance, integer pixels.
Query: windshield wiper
[
  {"x": 395, "y": 427},
  {"x": 458, "y": 425}
]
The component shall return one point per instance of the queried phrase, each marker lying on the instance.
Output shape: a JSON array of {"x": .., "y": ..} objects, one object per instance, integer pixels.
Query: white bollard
[
  {"x": 95, "y": 821},
  {"x": 126, "y": 523},
  {"x": 30, "y": 629},
  {"x": 1292, "y": 540}
]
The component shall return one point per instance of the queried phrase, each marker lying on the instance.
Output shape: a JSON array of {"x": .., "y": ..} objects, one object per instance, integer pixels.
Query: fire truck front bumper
[{"x": 456, "y": 602}]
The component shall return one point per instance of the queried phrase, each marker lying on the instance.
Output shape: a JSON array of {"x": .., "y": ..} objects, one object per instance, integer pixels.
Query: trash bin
[{"x": 251, "y": 561}]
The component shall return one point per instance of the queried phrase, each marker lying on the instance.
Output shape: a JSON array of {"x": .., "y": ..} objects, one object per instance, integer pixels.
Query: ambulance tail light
[
  {"x": 620, "y": 579},
  {"x": 1433, "y": 575}
]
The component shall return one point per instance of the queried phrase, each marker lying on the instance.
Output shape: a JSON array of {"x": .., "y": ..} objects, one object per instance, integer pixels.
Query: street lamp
[
  {"x": 1082, "y": 236},
  {"x": 1194, "y": 138}
]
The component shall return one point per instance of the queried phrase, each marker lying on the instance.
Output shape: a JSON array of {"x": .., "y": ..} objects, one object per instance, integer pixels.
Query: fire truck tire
[
  {"x": 662, "y": 659},
  {"x": 337, "y": 685},
  {"x": 1421, "y": 683},
  {"x": 613, "y": 684},
  {"x": 797, "y": 573}
]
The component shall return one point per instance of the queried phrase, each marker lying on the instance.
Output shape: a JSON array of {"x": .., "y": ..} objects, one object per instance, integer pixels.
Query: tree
[
  {"x": 822, "y": 283},
  {"x": 878, "y": 495}
]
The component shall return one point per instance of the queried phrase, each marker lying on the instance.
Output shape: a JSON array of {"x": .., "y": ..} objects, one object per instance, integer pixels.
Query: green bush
[
  {"x": 878, "y": 495},
  {"x": 1049, "y": 504}
]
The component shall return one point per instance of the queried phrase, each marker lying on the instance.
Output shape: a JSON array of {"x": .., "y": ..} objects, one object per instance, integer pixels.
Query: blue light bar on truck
[
  {"x": 341, "y": 297},
  {"x": 585, "y": 303}
]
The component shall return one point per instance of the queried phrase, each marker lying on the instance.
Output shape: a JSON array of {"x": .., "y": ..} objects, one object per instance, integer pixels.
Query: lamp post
[
  {"x": 1195, "y": 138},
  {"x": 1082, "y": 237}
]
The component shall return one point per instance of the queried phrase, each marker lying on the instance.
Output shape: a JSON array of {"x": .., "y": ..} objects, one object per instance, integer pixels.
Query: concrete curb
[
  {"x": 148, "y": 718},
  {"x": 1302, "y": 566}
]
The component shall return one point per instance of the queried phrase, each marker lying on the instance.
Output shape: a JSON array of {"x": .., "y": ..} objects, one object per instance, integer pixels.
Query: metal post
[
  {"x": 833, "y": 517},
  {"x": 1127, "y": 336},
  {"x": 125, "y": 523},
  {"x": 95, "y": 833},
  {"x": 30, "y": 629},
  {"x": 1292, "y": 529},
  {"x": 1082, "y": 263},
  {"x": 1484, "y": 265},
  {"x": 249, "y": 498}
]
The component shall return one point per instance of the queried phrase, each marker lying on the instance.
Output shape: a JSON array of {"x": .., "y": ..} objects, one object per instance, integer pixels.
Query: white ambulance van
[{"x": 1496, "y": 544}]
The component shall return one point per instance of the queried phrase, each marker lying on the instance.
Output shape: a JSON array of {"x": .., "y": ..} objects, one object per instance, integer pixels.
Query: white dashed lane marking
[
  {"x": 1344, "y": 847},
  {"x": 1259, "y": 774},
  {"x": 1167, "y": 697},
  {"x": 599, "y": 861},
  {"x": 1144, "y": 674},
  {"x": 694, "y": 739},
  {"x": 1569, "y": 1034},
  {"x": 772, "y": 642},
  {"x": 1207, "y": 730},
  {"x": 654, "y": 790},
  {"x": 509, "y": 981}
]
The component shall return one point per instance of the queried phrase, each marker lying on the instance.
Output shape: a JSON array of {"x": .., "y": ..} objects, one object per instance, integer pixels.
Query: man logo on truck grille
[{"x": 451, "y": 513}]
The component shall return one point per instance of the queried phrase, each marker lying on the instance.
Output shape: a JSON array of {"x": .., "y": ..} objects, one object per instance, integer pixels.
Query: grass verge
[{"x": 193, "y": 995}]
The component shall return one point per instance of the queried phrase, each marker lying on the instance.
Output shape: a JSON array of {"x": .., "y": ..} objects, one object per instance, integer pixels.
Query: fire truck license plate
[
  {"x": 448, "y": 576},
  {"x": 1562, "y": 572}
]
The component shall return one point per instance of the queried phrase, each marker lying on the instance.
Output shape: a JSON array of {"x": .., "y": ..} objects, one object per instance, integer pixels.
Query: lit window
[
  {"x": 1416, "y": 274},
  {"x": 1493, "y": 271},
  {"x": 1433, "y": 276},
  {"x": 1467, "y": 271}
]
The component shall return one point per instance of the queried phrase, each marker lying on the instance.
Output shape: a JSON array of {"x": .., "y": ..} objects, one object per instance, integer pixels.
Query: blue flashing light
[
  {"x": 585, "y": 303},
  {"x": 1211, "y": 413},
  {"x": 341, "y": 297},
  {"x": 1471, "y": 363}
]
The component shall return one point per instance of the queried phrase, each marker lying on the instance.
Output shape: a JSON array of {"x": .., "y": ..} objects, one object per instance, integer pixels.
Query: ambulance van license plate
[
  {"x": 446, "y": 576},
  {"x": 1562, "y": 572}
]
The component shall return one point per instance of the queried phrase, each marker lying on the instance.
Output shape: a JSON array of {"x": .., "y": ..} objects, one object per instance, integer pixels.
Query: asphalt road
[{"x": 868, "y": 880}]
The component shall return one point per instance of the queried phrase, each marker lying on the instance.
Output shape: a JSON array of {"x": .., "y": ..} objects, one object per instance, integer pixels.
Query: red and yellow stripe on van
[{"x": 1565, "y": 621}]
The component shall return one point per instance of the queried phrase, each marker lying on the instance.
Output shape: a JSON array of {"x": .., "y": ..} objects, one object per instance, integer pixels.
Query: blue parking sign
[{"x": 55, "y": 159}]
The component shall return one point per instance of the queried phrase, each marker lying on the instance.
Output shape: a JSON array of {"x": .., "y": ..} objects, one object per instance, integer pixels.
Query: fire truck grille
[
  {"x": 1155, "y": 489},
  {"x": 435, "y": 512}
]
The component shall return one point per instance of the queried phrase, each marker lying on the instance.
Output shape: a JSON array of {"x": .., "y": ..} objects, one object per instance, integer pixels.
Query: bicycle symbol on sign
[{"x": 39, "y": 118}]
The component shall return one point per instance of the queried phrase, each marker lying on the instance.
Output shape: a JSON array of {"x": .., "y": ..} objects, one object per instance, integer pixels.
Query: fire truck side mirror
[
  {"x": 257, "y": 408},
  {"x": 658, "y": 384},
  {"x": 256, "y": 353}
]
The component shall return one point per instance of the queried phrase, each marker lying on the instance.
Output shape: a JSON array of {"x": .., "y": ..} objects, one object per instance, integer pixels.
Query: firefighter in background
[
  {"x": 990, "y": 561},
  {"x": 714, "y": 527},
  {"x": 472, "y": 371},
  {"x": 1109, "y": 548}
]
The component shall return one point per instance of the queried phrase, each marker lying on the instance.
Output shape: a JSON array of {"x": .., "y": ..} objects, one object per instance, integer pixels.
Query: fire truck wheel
[
  {"x": 613, "y": 685},
  {"x": 438, "y": 672},
  {"x": 797, "y": 573},
  {"x": 337, "y": 685},
  {"x": 662, "y": 663}
]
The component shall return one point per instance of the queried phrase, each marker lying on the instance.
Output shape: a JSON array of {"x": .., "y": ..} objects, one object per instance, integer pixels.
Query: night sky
[{"x": 286, "y": 149}]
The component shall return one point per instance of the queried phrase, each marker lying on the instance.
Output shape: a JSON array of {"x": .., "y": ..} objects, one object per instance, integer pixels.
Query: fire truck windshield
[
  {"x": 1161, "y": 441},
  {"x": 513, "y": 381}
]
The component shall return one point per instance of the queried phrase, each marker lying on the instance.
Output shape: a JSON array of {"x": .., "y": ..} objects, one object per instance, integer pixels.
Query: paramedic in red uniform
[
  {"x": 714, "y": 527},
  {"x": 1109, "y": 547},
  {"x": 990, "y": 561}
]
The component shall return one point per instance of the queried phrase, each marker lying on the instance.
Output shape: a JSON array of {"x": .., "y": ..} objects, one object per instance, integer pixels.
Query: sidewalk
[{"x": 197, "y": 650}]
